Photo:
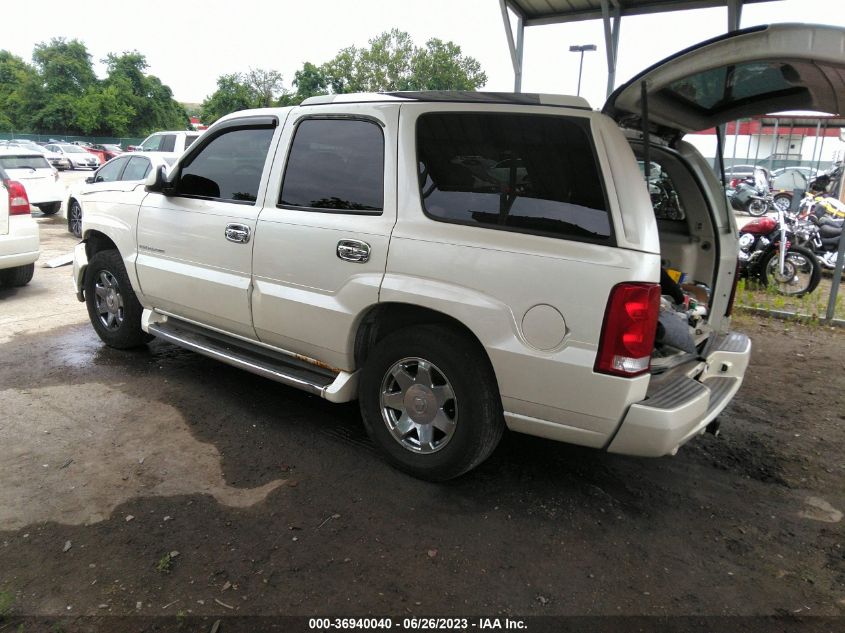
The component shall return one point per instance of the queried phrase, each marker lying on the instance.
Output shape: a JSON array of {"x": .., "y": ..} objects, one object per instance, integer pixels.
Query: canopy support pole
[
  {"x": 611, "y": 39},
  {"x": 515, "y": 48},
  {"x": 734, "y": 15}
]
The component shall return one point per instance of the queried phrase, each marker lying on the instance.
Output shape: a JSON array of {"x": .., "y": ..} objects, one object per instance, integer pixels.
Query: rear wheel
[
  {"x": 17, "y": 276},
  {"x": 74, "y": 218},
  {"x": 801, "y": 271},
  {"x": 113, "y": 308},
  {"x": 430, "y": 401}
]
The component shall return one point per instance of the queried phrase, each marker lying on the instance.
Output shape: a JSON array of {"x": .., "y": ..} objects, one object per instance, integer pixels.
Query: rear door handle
[
  {"x": 238, "y": 233},
  {"x": 353, "y": 251}
]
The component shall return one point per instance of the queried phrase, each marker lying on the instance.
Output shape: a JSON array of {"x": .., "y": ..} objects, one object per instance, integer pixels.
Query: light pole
[{"x": 581, "y": 49}]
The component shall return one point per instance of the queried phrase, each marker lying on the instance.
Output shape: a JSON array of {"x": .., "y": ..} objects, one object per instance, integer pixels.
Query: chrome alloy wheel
[
  {"x": 75, "y": 220},
  {"x": 108, "y": 301},
  {"x": 418, "y": 405}
]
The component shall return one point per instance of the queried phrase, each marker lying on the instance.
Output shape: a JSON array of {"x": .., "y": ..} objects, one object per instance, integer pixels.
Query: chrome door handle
[
  {"x": 238, "y": 233},
  {"x": 353, "y": 251}
]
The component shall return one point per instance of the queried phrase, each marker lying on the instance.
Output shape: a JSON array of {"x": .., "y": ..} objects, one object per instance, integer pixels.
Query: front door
[{"x": 195, "y": 240}]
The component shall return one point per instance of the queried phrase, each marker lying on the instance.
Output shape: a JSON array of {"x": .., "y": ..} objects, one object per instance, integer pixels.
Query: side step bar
[{"x": 336, "y": 386}]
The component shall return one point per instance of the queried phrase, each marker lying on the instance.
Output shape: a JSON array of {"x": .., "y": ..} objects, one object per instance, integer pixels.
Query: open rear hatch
[
  {"x": 754, "y": 71},
  {"x": 749, "y": 72}
]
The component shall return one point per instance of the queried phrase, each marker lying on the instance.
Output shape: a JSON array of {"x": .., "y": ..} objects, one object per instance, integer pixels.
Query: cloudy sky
[{"x": 189, "y": 44}]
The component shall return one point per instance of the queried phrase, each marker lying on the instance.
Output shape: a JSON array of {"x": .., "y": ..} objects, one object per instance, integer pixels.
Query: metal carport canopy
[{"x": 541, "y": 12}]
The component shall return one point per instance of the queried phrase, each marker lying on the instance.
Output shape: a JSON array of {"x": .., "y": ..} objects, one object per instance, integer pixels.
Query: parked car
[
  {"x": 109, "y": 183},
  {"x": 56, "y": 160},
  {"x": 170, "y": 142},
  {"x": 344, "y": 247},
  {"x": 40, "y": 178},
  {"x": 109, "y": 151},
  {"x": 77, "y": 155},
  {"x": 19, "y": 240},
  {"x": 790, "y": 178}
]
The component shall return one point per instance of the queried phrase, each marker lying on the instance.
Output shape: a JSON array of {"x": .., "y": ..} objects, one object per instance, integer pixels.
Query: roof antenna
[{"x": 646, "y": 135}]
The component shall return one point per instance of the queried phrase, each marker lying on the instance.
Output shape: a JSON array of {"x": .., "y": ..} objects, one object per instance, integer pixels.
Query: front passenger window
[{"x": 228, "y": 168}]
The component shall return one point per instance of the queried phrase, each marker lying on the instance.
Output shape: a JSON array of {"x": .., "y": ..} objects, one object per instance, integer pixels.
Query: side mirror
[
  {"x": 89, "y": 180},
  {"x": 156, "y": 180}
]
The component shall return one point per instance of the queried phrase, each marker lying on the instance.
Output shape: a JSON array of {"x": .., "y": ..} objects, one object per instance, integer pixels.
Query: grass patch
[
  {"x": 812, "y": 306},
  {"x": 165, "y": 564},
  {"x": 7, "y": 602}
]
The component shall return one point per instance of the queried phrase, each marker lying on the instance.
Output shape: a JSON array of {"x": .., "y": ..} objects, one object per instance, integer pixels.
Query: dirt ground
[{"x": 161, "y": 483}]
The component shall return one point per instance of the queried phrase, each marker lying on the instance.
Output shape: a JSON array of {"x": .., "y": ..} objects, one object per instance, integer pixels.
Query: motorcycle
[
  {"x": 752, "y": 195},
  {"x": 822, "y": 237},
  {"x": 768, "y": 252}
]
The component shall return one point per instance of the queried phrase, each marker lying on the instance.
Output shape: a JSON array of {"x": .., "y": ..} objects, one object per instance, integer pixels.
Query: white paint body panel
[{"x": 19, "y": 239}]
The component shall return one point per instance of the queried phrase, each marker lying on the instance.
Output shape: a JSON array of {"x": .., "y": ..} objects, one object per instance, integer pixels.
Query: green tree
[
  {"x": 232, "y": 94},
  {"x": 266, "y": 86},
  {"x": 392, "y": 62},
  {"x": 20, "y": 91},
  {"x": 64, "y": 66}
]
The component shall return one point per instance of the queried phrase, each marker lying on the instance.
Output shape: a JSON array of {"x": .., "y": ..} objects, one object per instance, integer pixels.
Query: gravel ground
[{"x": 161, "y": 483}]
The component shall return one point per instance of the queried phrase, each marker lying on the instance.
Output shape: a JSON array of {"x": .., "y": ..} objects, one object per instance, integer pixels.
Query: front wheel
[
  {"x": 429, "y": 399},
  {"x": 113, "y": 308},
  {"x": 801, "y": 271},
  {"x": 757, "y": 208}
]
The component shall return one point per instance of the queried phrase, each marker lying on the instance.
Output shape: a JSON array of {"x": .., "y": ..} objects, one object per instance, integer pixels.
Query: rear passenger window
[
  {"x": 228, "y": 168},
  {"x": 518, "y": 172},
  {"x": 189, "y": 139},
  {"x": 137, "y": 169},
  {"x": 335, "y": 165},
  {"x": 168, "y": 143}
]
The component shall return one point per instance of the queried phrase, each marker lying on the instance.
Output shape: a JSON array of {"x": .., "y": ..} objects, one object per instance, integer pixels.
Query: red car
[{"x": 110, "y": 151}]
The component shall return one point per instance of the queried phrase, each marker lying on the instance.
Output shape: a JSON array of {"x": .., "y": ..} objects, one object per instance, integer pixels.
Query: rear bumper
[{"x": 681, "y": 403}]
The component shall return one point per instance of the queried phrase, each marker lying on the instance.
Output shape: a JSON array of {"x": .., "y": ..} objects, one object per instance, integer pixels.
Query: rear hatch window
[{"x": 24, "y": 162}]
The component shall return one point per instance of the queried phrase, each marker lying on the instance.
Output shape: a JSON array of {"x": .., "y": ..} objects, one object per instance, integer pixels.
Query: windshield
[{"x": 24, "y": 162}]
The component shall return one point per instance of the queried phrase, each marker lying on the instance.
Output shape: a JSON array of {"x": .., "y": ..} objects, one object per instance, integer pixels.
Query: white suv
[
  {"x": 464, "y": 262},
  {"x": 174, "y": 142}
]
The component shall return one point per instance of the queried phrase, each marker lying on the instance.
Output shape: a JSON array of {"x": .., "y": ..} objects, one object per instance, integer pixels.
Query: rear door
[
  {"x": 195, "y": 242},
  {"x": 322, "y": 238}
]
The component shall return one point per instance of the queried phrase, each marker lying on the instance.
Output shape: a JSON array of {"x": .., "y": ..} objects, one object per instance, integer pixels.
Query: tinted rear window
[
  {"x": 24, "y": 162},
  {"x": 526, "y": 173}
]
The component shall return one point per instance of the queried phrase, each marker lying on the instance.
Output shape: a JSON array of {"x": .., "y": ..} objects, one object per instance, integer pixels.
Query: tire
[
  {"x": 50, "y": 208},
  {"x": 801, "y": 268},
  {"x": 459, "y": 419},
  {"x": 112, "y": 305},
  {"x": 757, "y": 208},
  {"x": 783, "y": 201},
  {"x": 74, "y": 218},
  {"x": 17, "y": 276}
]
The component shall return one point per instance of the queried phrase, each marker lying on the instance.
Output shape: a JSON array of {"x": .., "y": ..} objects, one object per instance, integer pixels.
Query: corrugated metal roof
[{"x": 537, "y": 12}]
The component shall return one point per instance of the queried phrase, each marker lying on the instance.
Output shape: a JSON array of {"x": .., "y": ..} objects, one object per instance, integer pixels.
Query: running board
[{"x": 335, "y": 386}]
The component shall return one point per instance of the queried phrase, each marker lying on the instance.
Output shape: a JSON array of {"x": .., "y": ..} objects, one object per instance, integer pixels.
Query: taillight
[
  {"x": 733, "y": 291},
  {"x": 630, "y": 325},
  {"x": 18, "y": 200}
]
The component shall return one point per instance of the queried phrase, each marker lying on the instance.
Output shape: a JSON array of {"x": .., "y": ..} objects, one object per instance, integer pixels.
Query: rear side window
[
  {"x": 189, "y": 139},
  {"x": 335, "y": 165},
  {"x": 518, "y": 172},
  {"x": 137, "y": 169},
  {"x": 229, "y": 167},
  {"x": 24, "y": 162}
]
